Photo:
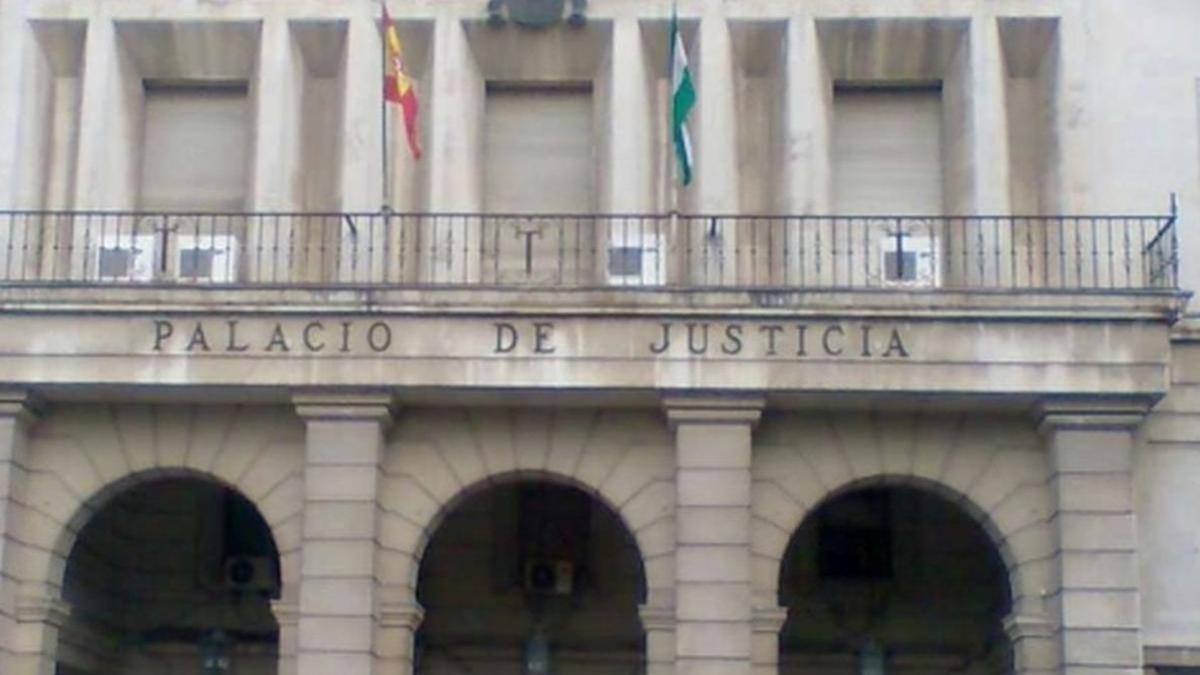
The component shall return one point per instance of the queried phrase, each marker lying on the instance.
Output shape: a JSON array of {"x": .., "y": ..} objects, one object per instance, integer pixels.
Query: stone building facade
[{"x": 896, "y": 385}]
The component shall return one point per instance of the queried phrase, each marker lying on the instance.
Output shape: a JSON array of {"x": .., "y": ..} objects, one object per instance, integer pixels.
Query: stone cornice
[
  {"x": 286, "y": 613},
  {"x": 656, "y": 618},
  {"x": 768, "y": 619},
  {"x": 42, "y": 609},
  {"x": 1091, "y": 413},
  {"x": 401, "y": 615},
  {"x": 22, "y": 404},
  {"x": 709, "y": 408},
  {"x": 332, "y": 405},
  {"x": 1020, "y": 626}
]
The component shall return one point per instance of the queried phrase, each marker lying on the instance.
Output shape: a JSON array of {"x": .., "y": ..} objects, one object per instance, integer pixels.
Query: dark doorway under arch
[
  {"x": 168, "y": 569},
  {"x": 893, "y": 579},
  {"x": 526, "y": 574}
]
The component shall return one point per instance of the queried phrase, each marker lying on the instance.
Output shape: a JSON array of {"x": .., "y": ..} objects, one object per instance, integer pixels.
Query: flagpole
[
  {"x": 383, "y": 119},
  {"x": 672, "y": 164}
]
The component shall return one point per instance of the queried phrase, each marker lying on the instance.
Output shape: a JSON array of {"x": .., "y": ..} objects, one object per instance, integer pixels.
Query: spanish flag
[{"x": 397, "y": 85}]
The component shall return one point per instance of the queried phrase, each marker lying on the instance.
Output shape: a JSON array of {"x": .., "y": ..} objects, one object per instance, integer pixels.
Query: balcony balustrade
[{"x": 1035, "y": 254}]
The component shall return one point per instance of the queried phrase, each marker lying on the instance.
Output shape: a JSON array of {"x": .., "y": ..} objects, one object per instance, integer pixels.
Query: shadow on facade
[
  {"x": 531, "y": 577},
  {"x": 893, "y": 579},
  {"x": 167, "y": 574}
]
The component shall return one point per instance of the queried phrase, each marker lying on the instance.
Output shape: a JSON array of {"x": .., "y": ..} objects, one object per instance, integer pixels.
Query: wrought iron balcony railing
[{"x": 1089, "y": 253}]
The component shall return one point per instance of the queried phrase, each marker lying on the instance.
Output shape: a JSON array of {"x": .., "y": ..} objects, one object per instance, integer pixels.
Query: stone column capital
[
  {"x": 657, "y": 617},
  {"x": 713, "y": 409},
  {"x": 43, "y": 608},
  {"x": 406, "y": 615},
  {"x": 345, "y": 406},
  {"x": 21, "y": 404},
  {"x": 1026, "y": 625},
  {"x": 287, "y": 613},
  {"x": 1054, "y": 414},
  {"x": 768, "y": 620}
]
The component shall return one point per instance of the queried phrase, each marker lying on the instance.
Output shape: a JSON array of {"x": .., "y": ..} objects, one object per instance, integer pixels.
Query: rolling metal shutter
[
  {"x": 887, "y": 151},
  {"x": 538, "y": 149},
  {"x": 195, "y": 149}
]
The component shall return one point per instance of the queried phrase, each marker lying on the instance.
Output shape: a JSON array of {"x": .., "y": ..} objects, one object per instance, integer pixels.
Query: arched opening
[
  {"x": 893, "y": 579},
  {"x": 531, "y": 577},
  {"x": 173, "y": 575}
]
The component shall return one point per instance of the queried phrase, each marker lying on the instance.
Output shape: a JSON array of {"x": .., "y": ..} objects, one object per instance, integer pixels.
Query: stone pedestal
[
  {"x": 1095, "y": 598},
  {"x": 34, "y": 640},
  {"x": 338, "y": 586},
  {"x": 658, "y": 622},
  {"x": 765, "y": 627},
  {"x": 1033, "y": 644},
  {"x": 287, "y": 615},
  {"x": 398, "y": 624},
  {"x": 712, "y": 511}
]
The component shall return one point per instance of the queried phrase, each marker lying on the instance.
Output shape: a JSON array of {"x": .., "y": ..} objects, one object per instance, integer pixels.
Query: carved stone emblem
[{"x": 535, "y": 13}]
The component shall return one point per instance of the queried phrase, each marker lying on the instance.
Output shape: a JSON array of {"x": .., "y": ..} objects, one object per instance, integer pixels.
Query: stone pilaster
[
  {"x": 1095, "y": 598},
  {"x": 14, "y": 43},
  {"x": 362, "y": 248},
  {"x": 18, "y": 412},
  {"x": 807, "y": 92},
  {"x": 658, "y": 622},
  {"x": 278, "y": 105},
  {"x": 362, "y": 150},
  {"x": 989, "y": 120},
  {"x": 1033, "y": 644},
  {"x": 713, "y": 630},
  {"x": 34, "y": 641},
  {"x": 766, "y": 624},
  {"x": 631, "y": 177},
  {"x": 395, "y": 645},
  {"x": 287, "y": 615},
  {"x": 455, "y": 122},
  {"x": 715, "y": 189},
  {"x": 338, "y": 586}
]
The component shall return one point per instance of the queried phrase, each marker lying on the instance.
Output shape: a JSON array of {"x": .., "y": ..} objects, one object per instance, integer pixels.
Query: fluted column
[
  {"x": 713, "y": 630},
  {"x": 339, "y": 612}
]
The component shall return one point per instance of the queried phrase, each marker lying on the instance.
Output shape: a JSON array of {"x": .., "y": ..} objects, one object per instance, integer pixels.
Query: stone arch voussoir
[{"x": 642, "y": 530}]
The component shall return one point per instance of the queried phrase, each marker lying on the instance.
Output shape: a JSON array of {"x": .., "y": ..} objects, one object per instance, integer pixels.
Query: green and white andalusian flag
[{"x": 683, "y": 98}]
